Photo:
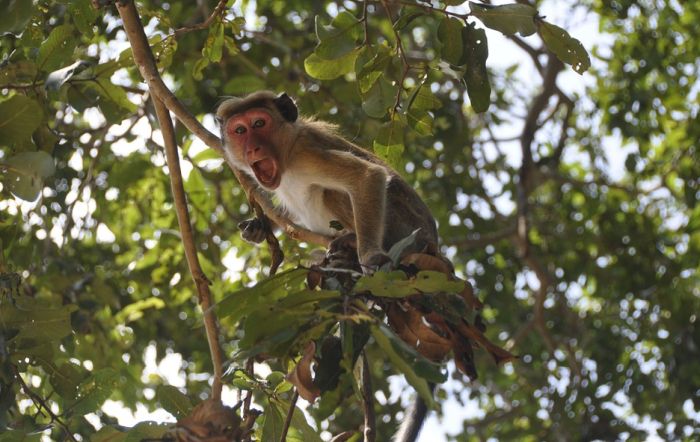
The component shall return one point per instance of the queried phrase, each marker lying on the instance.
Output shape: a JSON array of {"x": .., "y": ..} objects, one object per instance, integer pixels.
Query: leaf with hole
[
  {"x": 476, "y": 76},
  {"x": 566, "y": 48}
]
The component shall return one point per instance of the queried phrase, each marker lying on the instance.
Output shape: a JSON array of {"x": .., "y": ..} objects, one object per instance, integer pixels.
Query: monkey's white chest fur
[{"x": 303, "y": 200}]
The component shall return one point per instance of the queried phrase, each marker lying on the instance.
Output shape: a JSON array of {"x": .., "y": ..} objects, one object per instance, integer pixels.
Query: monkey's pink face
[{"x": 250, "y": 134}]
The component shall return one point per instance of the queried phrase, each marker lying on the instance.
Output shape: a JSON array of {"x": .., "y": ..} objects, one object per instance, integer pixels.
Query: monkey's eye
[
  {"x": 259, "y": 123},
  {"x": 239, "y": 130}
]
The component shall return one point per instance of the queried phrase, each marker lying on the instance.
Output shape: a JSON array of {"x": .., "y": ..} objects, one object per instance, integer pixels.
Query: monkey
[{"x": 319, "y": 178}]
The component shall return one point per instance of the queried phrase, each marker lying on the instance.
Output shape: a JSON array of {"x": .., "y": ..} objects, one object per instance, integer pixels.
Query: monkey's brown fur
[{"x": 321, "y": 177}]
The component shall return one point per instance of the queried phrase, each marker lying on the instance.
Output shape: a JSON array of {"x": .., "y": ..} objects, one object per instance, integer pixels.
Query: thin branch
[
  {"x": 290, "y": 415},
  {"x": 368, "y": 402},
  {"x": 218, "y": 11},
  {"x": 183, "y": 218},
  {"x": 41, "y": 404},
  {"x": 143, "y": 58}
]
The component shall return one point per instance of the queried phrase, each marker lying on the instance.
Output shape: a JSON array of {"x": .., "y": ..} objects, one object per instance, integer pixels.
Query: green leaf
[
  {"x": 389, "y": 143},
  {"x": 18, "y": 119},
  {"x": 108, "y": 434},
  {"x": 420, "y": 121},
  {"x": 306, "y": 431},
  {"x": 509, "y": 19},
  {"x": 380, "y": 98},
  {"x": 407, "y": 15},
  {"x": 476, "y": 77},
  {"x": 243, "y": 85},
  {"x": 173, "y": 401},
  {"x": 21, "y": 71},
  {"x": 115, "y": 94},
  {"x": 566, "y": 48},
  {"x": 339, "y": 38},
  {"x": 26, "y": 172},
  {"x": 66, "y": 379},
  {"x": 450, "y": 36},
  {"x": 422, "y": 98},
  {"x": 244, "y": 301},
  {"x": 386, "y": 284},
  {"x": 57, "y": 49},
  {"x": 15, "y": 15},
  {"x": 397, "y": 285},
  {"x": 416, "y": 368},
  {"x": 370, "y": 66},
  {"x": 322, "y": 69},
  {"x": 146, "y": 431},
  {"x": 214, "y": 45},
  {"x": 94, "y": 390},
  {"x": 396, "y": 251},
  {"x": 273, "y": 423},
  {"x": 19, "y": 436},
  {"x": 83, "y": 15}
]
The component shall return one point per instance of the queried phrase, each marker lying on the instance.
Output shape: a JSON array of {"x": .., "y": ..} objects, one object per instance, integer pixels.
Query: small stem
[
  {"x": 368, "y": 402},
  {"x": 290, "y": 415}
]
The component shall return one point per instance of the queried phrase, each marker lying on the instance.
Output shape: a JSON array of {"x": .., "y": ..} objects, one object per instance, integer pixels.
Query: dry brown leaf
[
  {"x": 302, "y": 376},
  {"x": 409, "y": 326},
  {"x": 209, "y": 421}
]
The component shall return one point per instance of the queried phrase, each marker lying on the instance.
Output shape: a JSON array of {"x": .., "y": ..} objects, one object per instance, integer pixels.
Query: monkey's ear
[{"x": 286, "y": 107}]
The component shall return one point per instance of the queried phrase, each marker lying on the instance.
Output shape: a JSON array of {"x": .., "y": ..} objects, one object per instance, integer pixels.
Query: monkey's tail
[{"x": 411, "y": 426}]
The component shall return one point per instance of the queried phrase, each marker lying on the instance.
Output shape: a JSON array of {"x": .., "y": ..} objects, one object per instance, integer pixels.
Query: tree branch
[
  {"x": 290, "y": 415},
  {"x": 368, "y": 402},
  {"x": 183, "y": 218},
  {"x": 143, "y": 58},
  {"x": 218, "y": 11}
]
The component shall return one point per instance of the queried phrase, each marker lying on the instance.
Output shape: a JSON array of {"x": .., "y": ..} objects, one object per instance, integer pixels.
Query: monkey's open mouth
[{"x": 266, "y": 172}]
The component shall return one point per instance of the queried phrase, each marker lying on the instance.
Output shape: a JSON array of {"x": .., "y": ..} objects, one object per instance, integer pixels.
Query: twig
[
  {"x": 290, "y": 415},
  {"x": 368, "y": 402},
  {"x": 205, "y": 24},
  {"x": 41, "y": 404}
]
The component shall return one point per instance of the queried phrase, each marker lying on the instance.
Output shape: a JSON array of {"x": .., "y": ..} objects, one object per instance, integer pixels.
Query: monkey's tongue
[{"x": 265, "y": 170}]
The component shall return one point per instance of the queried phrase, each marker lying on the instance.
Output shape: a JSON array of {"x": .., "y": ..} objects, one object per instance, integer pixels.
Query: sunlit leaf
[
  {"x": 94, "y": 390},
  {"x": 510, "y": 18},
  {"x": 322, "y": 69},
  {"x": 566, "y": 48},
  {"x": 173, "y": 401},
  {"x": 57, "y": 49},
  {"x": 389, "y": 143}
]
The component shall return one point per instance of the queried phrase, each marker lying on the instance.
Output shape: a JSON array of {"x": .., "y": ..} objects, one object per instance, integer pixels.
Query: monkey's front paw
[
  {"x": 253, "y": 230},
  {"x": 372, "y": 262}
]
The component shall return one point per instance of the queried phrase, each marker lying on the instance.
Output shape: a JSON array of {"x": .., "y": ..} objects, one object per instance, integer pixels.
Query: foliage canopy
[{"x": 589, "y": 270}]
